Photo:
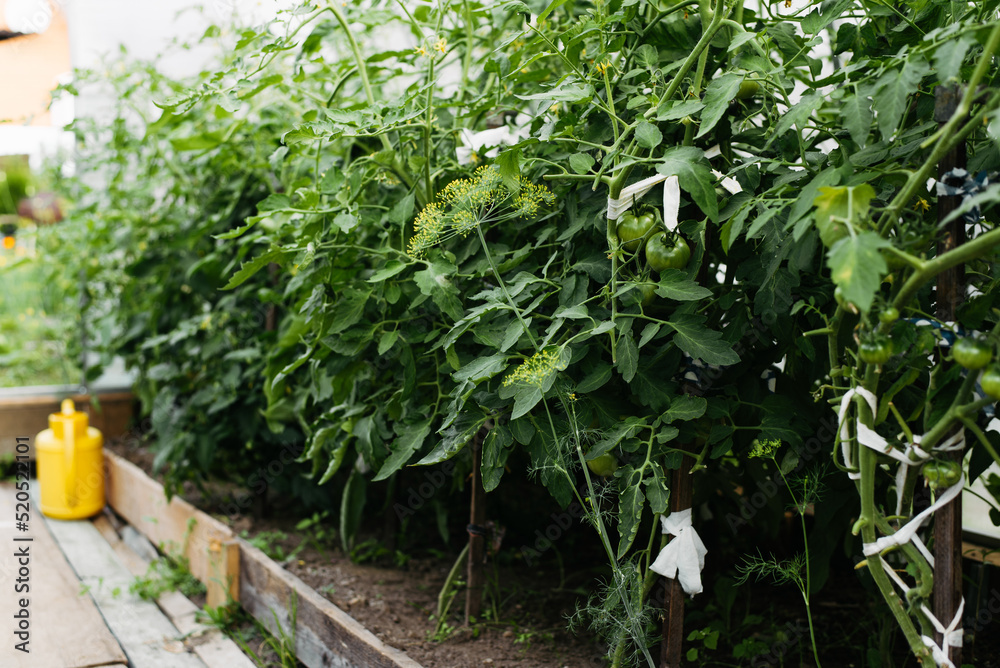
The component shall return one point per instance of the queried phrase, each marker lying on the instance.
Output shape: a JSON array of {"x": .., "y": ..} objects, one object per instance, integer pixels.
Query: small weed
[
  {"x": 372, "y": 550},
  {"x": 164, "y": 575},
  {"x": 224, "y": 617},
  {"x": 315, "y": 531},
  {"x": 269, "y": 542},
  {"x": 282, "y": 644},
  {"x": 171, "y": 572}
]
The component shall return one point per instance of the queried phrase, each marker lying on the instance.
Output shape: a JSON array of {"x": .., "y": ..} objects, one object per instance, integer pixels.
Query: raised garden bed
[{"x": 24, "y": 411}]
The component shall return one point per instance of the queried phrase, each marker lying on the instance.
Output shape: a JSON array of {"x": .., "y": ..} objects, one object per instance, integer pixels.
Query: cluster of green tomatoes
[
  {"x": 973, "y": 353},
  {"x": 664, "y": 250}
]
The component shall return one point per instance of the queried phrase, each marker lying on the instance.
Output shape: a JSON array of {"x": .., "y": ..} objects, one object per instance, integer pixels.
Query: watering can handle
[{"x": 69, "y": 437}]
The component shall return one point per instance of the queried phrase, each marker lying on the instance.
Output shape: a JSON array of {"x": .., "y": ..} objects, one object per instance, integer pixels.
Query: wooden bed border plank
[
  {"x": 141, "y": 500},
  {"x": 325, "y": 634}
]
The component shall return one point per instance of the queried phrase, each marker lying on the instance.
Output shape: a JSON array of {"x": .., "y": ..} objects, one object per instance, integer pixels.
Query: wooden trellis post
[
  {"x": 681, "y": 493},
  {"x": 477, "y": 532},
  {"x": 950, "y": 285},
  {"x": 681, "y": 498}
]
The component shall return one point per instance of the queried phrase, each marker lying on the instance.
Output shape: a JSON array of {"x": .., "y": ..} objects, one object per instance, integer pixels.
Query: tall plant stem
[
  {"x": 397, "y": 166},
  {"x": 428, "y": 124},
  {"x": 807, "y": 592},
  {"x": 964, "y": 253}
]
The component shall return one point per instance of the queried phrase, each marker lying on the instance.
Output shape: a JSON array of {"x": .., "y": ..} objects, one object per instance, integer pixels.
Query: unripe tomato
[
  {"x": 942, "y": 474},
  {"x": 648, "y": 291},
  {"x": 889, "y": 316},
  {"x": 633, "y": 229},
  {"x": 972, "y": 353},
  {"x": 876, "y": 350},
  {"x": 605, "y": 465},
  {"x": 664, "y": 252},
  {"x": 748, "y": 89},
  {"x": 990, "y": 382}
]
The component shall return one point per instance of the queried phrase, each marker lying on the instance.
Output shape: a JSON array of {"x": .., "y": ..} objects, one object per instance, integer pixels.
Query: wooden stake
[
  {"x": 477, "y": 533},
  {"x": 950, "y": 286},
  {"x": 224, "y": 564},
  {"x": 681, "y": 493}
]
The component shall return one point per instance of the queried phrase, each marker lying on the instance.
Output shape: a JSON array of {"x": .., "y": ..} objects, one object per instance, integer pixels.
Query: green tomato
[
  {"x": 972, "y": 353},
  {"x": 748, "y": 89},
  {"x": 876, "y": 350},
  {"x": 664, "y": 252},
  {"x": 648, "y": 291},
  {"x": 942, "y": 474},
  {"x": 604, "y": 465},
  {"x": 990, "y": 382},
  {"x": 889, "y": 316},
  {"x": 632, "y": 230}
]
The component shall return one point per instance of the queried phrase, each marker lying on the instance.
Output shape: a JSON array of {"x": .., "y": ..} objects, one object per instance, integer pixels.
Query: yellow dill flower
[
  {"x": 465, "y": 204},
  {"x": 441, "y": 45},
  {"x": 765, "y": 448},
  {"x": 536, "y": 368}
]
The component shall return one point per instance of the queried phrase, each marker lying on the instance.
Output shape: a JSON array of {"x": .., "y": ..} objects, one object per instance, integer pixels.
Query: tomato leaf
[
  {"x": 411, "y": 437},
  {"x": 648, "y": 135},
  {"x": 694, "y": 175},
  {"x": 699, "y": 341},
  {"x": 719, "y": 93},
  {"x": 857, "y": 267},
  {"x": 685, "y": 407},
  {"x": 674, "y": 284}
]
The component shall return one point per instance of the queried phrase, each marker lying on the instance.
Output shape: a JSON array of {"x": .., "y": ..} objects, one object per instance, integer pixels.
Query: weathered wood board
[
  {"x": 67, "y": 630},
  {"x": 325, "y": 635},
  {"x": 210, "y": 644},
  {"x": 140, "y": 500},
  {"x": 144, "y": 632}
]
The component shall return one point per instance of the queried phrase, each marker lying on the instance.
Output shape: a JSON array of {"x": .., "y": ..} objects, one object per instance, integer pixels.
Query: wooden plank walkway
[
  {"x": 67, "y": 630},
  {"x": 210, "y": 644},
  {"x": 149, "y": 639}
]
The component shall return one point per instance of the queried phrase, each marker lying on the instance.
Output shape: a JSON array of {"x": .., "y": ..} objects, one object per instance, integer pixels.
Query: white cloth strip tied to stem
[
  {"x": 913, "y": 455},
  {"x": 631, "y": 194},
  {"x": 684, "y": 556}
]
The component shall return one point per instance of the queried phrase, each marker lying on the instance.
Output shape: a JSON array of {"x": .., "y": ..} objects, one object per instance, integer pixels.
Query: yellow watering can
[{"x": 70, "y": 466}]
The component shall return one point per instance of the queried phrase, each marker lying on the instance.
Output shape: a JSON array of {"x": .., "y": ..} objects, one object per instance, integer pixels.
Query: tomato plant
[{"x": 420, "y": 237}]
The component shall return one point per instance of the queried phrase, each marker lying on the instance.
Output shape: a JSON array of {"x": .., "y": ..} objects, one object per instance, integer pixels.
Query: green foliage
[
  {"x": 164, "y": 575},
  {"x": 418, "y": 297}
]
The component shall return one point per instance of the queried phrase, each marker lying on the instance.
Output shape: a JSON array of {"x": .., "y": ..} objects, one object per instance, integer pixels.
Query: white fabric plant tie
[
  {"x": 842, "y": 434},
  {"x": 732, "y": 185},
  {"x": 912, "y": 455},
  {"x": 475, "y": 142},
  {"x": 671, "y": 194},
  {"x": 684, "y": 556},
  {"x": 633, "y": 193},
  {"x": 952, "y": 634},
  {"x": 907, "y": 531}
]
